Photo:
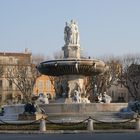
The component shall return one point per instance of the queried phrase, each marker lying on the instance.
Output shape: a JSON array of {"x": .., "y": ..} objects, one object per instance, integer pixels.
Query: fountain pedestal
[
  {"x": 71, "y": 51},
  {"x": 73, "y": 82}
]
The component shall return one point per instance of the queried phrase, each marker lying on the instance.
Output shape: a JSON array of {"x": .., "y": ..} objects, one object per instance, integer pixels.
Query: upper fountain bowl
[{"x": 85, "y": 67}]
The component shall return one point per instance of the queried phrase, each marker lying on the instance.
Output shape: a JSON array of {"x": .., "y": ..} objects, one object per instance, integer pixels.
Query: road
[{"x": 96, "y": 136}]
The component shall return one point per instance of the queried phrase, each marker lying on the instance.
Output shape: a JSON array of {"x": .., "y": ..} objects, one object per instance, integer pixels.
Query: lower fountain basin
[
  {"x": 76, "y": 112},
  {"x": 79, "y": 111}
]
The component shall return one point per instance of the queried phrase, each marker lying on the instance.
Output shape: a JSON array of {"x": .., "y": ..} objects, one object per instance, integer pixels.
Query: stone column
[
  {"x": 42, "y": 126},
  {"x": 90, "y": 125},
  {"x": 137, "y": 125}
]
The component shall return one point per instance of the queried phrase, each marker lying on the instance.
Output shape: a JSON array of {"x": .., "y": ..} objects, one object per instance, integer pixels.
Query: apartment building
[{"x": 9, "y": 93}]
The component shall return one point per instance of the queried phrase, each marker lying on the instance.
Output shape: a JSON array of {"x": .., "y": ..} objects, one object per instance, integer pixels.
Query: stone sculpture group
[
  {"x": 104, "y": 98},
  {"x": 77, "y": 98},
  {"x": 71, "y": 33}
]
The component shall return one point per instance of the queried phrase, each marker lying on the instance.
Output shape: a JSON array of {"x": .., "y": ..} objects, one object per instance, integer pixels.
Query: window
[
  {"x": 26, "y": 61},
  {"x": 48, "y": 85},
  {"x": 0, "y": 83},
  {"x": 19, "y": 97},
  {"x": 113, "y": 94},
  {"x": 9, "y": 96},
  {"x": 10, "y": 84},
  {"x": 10, "y": 60},
  {"x": 0, "y": 98},
  {"x": 40, "y": 86}
]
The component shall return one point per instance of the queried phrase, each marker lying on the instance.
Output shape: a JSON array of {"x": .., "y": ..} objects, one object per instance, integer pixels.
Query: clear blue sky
[{"x": 106, "y": 26}]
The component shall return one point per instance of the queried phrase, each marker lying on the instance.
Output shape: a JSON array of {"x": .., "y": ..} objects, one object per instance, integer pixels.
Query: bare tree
[
  {"x": 23, "y": 76},
  {"x": 58, "y": 55},
  {"x": 101, "y": 83},
  {"x": 130, "y": 75},
  {"x": 132, "y": 81},
  {"x": 37, "y": 58},
  {"x": 125, "y": 70}
]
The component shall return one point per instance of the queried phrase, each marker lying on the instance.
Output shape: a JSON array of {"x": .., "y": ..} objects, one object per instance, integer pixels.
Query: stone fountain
[{"x": 72, "y": 68}]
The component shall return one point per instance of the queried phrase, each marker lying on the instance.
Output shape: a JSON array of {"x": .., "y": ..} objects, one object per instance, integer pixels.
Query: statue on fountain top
[{"x": 71, "y": 33}]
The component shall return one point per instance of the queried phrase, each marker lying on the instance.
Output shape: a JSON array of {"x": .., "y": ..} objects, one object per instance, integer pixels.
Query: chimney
[{"x": 26, "y": 51}]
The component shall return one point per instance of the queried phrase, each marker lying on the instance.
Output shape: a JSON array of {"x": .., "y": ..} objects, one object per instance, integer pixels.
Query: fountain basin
[
  {"x": 79, "y": 111},
  {"x": 59, "y": 112},
  {"x": 85, "y": 67}
]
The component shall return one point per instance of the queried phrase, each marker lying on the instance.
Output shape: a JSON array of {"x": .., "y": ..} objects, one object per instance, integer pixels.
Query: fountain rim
[
  {"x": 60, "y": 67},
  {"x": 73, "y": 60}
]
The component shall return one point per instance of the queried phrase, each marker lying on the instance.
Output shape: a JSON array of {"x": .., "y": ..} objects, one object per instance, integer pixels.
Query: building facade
[
  {"x": 9, "y": 93},
  {"x": 45, "y": 86},
  {"x": 118, "y": 93}
]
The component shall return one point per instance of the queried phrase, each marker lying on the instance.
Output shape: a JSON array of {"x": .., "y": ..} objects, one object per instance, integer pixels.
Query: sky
[{"x": 106, "y": 27}]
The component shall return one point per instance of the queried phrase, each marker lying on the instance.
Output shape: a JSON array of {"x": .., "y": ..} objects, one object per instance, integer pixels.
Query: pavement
[{"x": 69, "y": 131}]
